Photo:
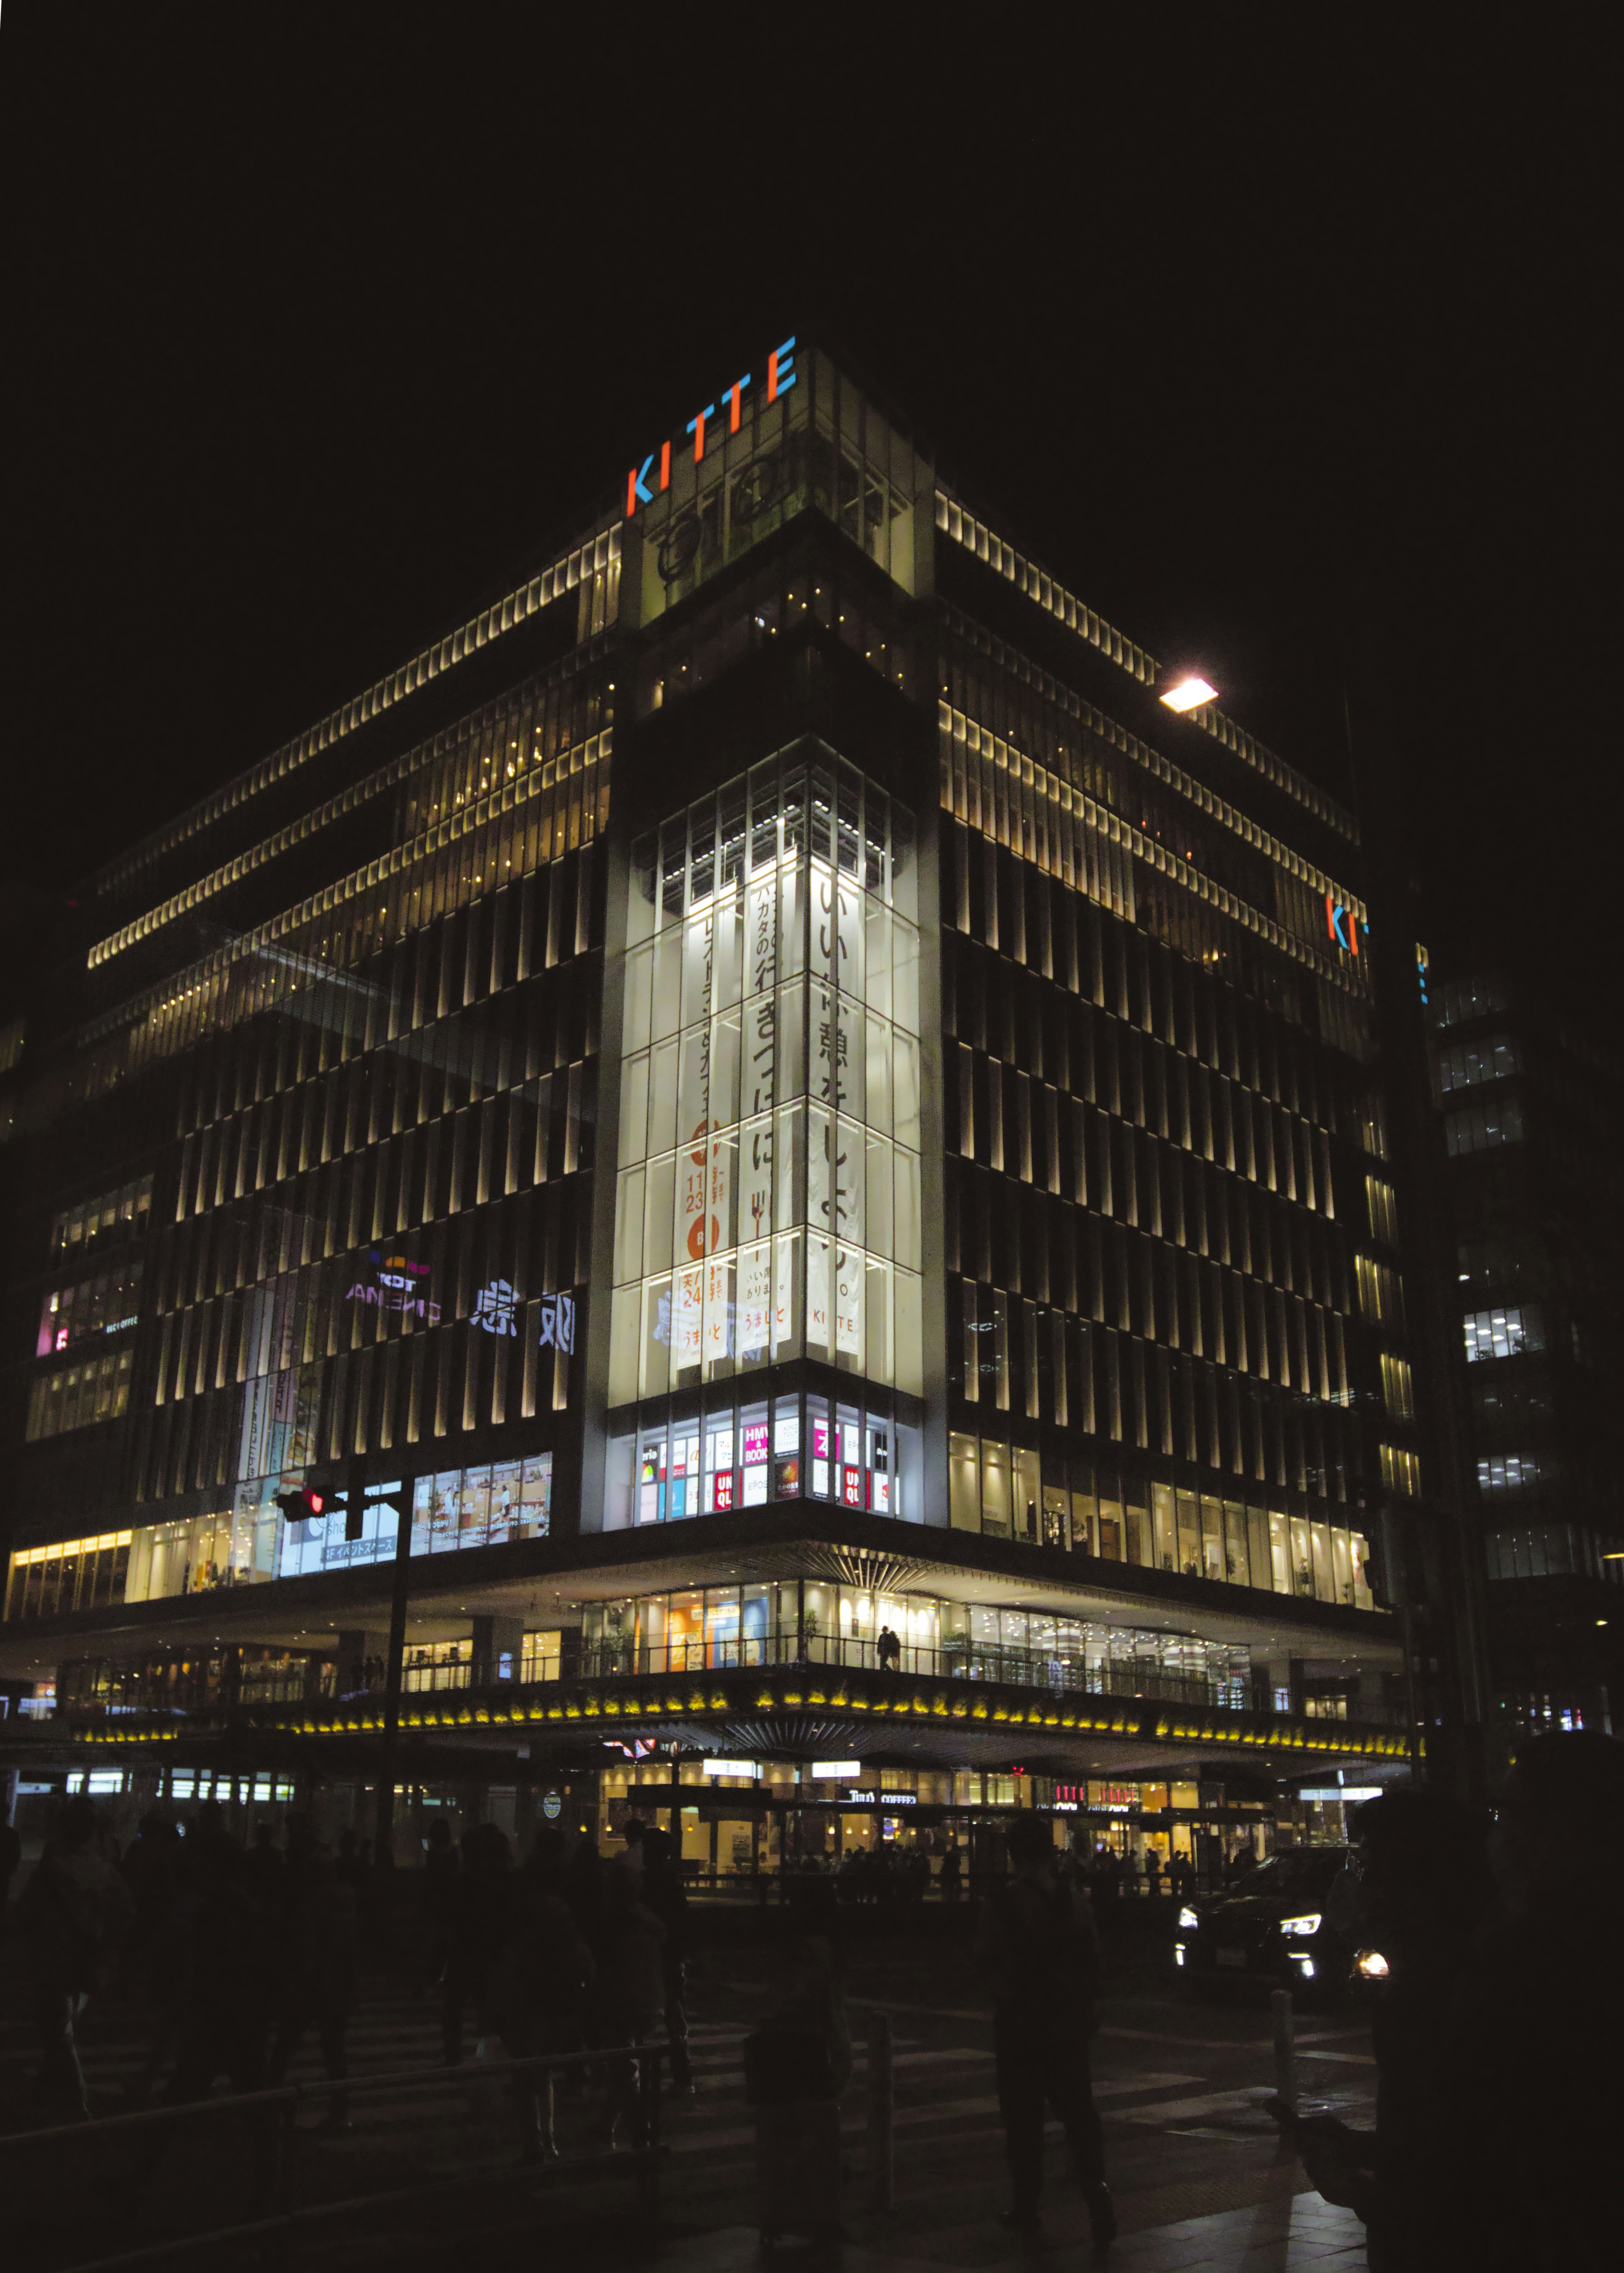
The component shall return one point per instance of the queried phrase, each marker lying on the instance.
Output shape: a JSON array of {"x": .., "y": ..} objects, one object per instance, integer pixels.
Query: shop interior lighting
[{"x": 1188, "y": 693}]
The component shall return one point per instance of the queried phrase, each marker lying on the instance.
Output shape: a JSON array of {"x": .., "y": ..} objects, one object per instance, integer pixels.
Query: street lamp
[{"x": 1188, "y": 693}]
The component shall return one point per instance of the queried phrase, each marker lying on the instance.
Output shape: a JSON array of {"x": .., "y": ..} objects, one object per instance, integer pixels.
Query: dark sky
[{"x": 1275, "y": 333}]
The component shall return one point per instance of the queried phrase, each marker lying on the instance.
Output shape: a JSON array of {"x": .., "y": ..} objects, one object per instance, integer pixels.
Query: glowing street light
[{"x": 1188, "y": 693}]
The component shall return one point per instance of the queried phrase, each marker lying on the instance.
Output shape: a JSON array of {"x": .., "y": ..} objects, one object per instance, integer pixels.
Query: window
[
  {"x": 1514, "y": 1472},
  {"x": 1401, "y": 1471},
  {"x": 75, "y": 1232},
  {"x": 1488, "y": 1263},
  {"x": 75, "y": 1396},
  {"x": 1482, "y": 1128},
  {"x": 106, "y": 1304},
  {"x": 69, "y": 1574},
  {"x": 1397, "y": 1387},
  {"x": 1382, "y": 1297},
  {"x": 1383, "y": 1205},
  {"x": 1463, "y": 1065},
  {"x": 479, "y": 1507},
  {"x": 1502, "y": 1332},
  {"x": 1467, "y": 997},
  {"x": 768, "y": 1199},
  {"x": 1544, "y": 1550}
]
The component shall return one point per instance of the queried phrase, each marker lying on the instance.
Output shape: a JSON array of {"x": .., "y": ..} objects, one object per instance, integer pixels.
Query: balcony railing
[{"x": 957, "y": 1659}]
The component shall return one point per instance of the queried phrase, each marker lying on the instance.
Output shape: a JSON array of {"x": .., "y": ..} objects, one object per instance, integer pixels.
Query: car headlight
[
  {"x": 1177, "y": 1953},
  {"x": 1309, "y": 1922},
  {"x": 1370, "y": 1965},
  {"x": 1188, "y": 1919}
]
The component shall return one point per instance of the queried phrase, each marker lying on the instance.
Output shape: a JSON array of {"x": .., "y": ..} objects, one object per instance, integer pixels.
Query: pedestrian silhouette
[
  {"x": 1038, "y": 1944},
  {"x": 73, "y": 1913}
]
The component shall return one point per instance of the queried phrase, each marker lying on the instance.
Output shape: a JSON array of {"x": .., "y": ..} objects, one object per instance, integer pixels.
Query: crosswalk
[{"x": 945, "y": 2099}]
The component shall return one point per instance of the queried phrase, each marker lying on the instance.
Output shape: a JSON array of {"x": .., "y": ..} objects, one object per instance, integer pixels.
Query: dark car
[{"x": 1271, "y": 1926}]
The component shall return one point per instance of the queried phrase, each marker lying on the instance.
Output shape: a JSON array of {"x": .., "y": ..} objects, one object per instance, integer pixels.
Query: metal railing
[{"x": 958, "y": 1661}]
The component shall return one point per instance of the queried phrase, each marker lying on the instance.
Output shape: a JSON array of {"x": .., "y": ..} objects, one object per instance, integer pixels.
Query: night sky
[{"x": 1276, "y": 336}]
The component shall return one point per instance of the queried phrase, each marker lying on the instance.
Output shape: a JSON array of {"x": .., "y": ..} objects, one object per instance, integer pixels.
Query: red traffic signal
[{"x": 304, "y": 1504}]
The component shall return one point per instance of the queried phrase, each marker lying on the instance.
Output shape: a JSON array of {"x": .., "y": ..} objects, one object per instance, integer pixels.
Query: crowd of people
[{"x": 1500, "y": 2091}]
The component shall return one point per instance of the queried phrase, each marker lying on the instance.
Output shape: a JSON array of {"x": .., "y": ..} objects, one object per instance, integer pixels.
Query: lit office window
[
  {"x": 1381, "y": 1295},
  {"x": 1502, "y": 1332},
  {"x": 1514, "y": 1472},
  {"x": 1463, "y": 1065},
  {"x": 1466, "y": 998},
  {"x": 1482, "y": 1128}
]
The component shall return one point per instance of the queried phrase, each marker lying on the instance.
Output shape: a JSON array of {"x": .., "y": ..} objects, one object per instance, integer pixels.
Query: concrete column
[{"x": 494, "y": 1639}]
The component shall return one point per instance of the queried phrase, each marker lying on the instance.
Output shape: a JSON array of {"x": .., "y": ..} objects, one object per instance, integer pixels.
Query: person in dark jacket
[
  {"x": 479, "y": 1932},
  {"x": 1038, "y": 1946},
  {"x": 73, "y": 1914},
  {"x": 320, "y": 1970},
  {"x": 665, "y": 1893}
]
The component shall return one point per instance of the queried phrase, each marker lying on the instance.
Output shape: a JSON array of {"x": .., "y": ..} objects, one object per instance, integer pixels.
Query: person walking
[
  {"x": 480, "y": 1928},
  {"x": 1153, "y": 1873},
  {"x": 1037, "y": 1946},
  {"x": 320, "y": 1959},
  {"x": 631, "y": 1988},
  {"x": 665, "y": 1893},
  {"x": 73, "y": 1913},
  {"x": 553, "y": 1972},
  {"x": 951, "y": 1872}
]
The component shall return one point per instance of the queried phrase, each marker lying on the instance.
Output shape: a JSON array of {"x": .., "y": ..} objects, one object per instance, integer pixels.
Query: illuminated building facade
[{"x": 765, "y": 1095}]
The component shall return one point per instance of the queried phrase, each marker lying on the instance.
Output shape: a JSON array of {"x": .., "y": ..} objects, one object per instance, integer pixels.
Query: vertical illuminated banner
[
  {"x": 758, "y": 1097},
  {"x": 834, "y": 1146}
]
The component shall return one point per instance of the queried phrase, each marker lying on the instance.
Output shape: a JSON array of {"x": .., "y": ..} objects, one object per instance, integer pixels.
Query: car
[{"x": 1274, "y": 1926}]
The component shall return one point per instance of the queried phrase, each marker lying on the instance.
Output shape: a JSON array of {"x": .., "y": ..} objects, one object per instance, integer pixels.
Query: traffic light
[{"x": 307, "y": 1506}]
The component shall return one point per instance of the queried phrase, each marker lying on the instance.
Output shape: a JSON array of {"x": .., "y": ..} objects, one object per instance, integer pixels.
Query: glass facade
[
  {"x": 816, "y": 1622},
  {"x": 767, "y": 1201}
]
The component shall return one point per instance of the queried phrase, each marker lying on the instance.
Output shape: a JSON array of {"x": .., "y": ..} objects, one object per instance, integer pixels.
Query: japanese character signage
[
  {"x": 496, "y": 1308},
  {"x": 558, "y": 1315}
]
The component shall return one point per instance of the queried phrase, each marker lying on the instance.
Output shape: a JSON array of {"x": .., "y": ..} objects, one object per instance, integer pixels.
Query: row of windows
[
  {"x": 727, "y": 1455},
  {"x": 1056, "y": 601},
  {"x": 1001, "y": 795},
  {"x": 251, "y": 1541},
  {"x": 503, "y": 838},
  {"x": 105, "y": 1304},
  {"x": 1022, "y": 705},
  {"x": 74, "y": 1396},
  {"x": 1484, "y": 1128},
  {"x": 1502, "y": 1332},
  {"x": 1463, "y": 1065},
  {"x": 590, "y": 563},
  {"x": 1103, "y": 1009},
  {"x": 1142, "y": 1188},
  {"x": 110, "y": 1215},
  {"x": 815, "y": 1622},
  {"x": 438, "y": 1383},
  {"x": 1051, "y": 1135},
  {"x": 1549, "y": 1550},
  {"x": 1461, "y": 999},
  {"x": 544, "y": 722},
  {"x": 532, "y": 1243},
  {"x": 439, "y": 1023},
  {"x": 1012, "y": 1357},
  {"x": 1515, "y": 1471},
  {"x": 1119, "y": 1277},
  {"x": 1063, "y": 1501}
]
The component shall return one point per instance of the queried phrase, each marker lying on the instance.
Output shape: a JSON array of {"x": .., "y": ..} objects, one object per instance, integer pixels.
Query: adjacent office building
[
  {"x": 755, "y": 1186},
  {"x": 1529, "y": 1106}
]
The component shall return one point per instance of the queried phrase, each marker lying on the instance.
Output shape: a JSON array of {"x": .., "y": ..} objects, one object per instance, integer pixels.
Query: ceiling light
[{"x": 1188, "y": 693}]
